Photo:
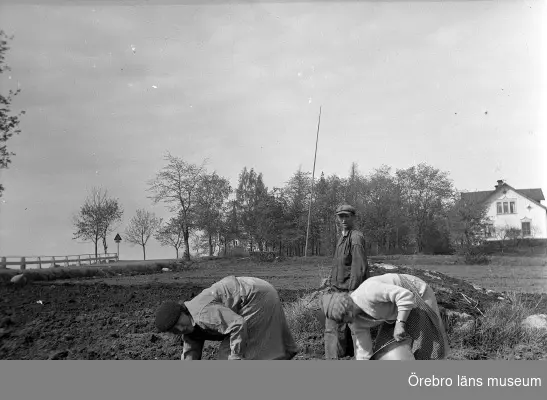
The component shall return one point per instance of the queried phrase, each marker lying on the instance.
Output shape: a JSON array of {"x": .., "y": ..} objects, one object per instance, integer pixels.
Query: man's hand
[
  {"x": 399, "y": 333},
  {"x": 234, "y": 357}
]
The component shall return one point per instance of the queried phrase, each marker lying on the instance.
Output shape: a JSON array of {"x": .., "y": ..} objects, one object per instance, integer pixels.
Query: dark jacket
[{"x": 350, "y": 267}]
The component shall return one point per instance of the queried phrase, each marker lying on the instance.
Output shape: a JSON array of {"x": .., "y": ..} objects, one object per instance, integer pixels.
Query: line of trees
[
  {"x": 416, "y": 209},
  {"x": 409, "y": 210}
]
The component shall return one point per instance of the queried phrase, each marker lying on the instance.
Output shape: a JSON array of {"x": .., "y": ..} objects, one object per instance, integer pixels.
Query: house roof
[
  {"x": 477, "y": 197},
  {"x": 534, "y": 195}
]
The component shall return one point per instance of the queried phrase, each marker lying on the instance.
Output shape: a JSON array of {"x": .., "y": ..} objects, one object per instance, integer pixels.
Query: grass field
[
  {"x": 299, "y": 273},
  {"x": 520, "y": 274},
  {"x": 291, "y": 274},
  {"x": 527, "y": 279}
]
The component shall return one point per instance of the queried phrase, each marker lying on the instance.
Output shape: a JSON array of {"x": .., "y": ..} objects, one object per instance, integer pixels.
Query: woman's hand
[{"x": 399, "y": 333}]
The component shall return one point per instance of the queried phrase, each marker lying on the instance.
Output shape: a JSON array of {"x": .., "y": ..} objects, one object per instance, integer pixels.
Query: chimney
[{"x": 500, "y": 183}]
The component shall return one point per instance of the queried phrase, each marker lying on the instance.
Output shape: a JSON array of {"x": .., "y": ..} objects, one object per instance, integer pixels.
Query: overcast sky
[{"x": 109, "y": 90}]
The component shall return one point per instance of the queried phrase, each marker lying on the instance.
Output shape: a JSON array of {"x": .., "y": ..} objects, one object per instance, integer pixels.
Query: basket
[{"x": 394, "y": 350}]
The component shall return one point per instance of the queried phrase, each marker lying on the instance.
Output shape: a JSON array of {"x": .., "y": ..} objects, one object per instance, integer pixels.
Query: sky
[{"x": 109, "y": 89}]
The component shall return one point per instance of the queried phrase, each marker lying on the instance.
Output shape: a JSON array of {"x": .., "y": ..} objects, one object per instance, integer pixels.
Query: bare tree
[
  {"x": 141, "y": 228},
  {"x": 505, "y": 233},
  {"x": 534, "y": 231},
  {"x": 177, "y": 185},
  {"x": 96, "y": 217},
  {"x": 170, "y": 234}
]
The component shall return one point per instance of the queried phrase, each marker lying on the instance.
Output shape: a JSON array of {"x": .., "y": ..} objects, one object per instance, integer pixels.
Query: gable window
[
  {"x": 506, "y": 207},
  {"x": 526, "y": 231}
]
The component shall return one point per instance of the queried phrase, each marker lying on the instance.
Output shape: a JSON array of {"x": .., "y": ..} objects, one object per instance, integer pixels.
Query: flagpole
[{"x": 312, "y": 181}]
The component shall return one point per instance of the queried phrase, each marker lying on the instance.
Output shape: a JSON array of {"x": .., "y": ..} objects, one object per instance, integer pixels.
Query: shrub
[
  {"x": 474, "y": 255},
  {"x": 499, "y": 332},
  {"x": 263, "y": 256}
]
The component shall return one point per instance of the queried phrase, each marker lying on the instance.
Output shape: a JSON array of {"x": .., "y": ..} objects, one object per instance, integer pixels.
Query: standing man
[{"x": 350, "y": 269}]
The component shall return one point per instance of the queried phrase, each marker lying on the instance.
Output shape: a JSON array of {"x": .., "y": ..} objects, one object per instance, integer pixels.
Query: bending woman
[
  {"x": 245, "y": 314},
  {"x": 404, "y": 307}
]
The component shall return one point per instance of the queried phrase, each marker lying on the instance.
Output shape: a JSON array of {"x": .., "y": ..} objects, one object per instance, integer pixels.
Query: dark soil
[
  {"x": 95, "y": 320},
  {"x": 89, "y": 321}
]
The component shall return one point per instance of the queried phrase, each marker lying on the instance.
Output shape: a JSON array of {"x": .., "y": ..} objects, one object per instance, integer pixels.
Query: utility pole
[{"x": 312, "y": 182}]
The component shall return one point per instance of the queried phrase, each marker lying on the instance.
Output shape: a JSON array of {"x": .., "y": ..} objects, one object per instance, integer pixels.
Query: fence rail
[{"x": 56, "y": 261}]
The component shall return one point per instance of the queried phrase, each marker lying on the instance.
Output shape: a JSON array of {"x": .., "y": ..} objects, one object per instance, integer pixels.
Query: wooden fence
[{"x": 56, "y": 261}]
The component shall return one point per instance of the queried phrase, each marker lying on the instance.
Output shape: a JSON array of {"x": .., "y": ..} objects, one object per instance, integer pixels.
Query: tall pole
[{"x": 312, "y": 181}]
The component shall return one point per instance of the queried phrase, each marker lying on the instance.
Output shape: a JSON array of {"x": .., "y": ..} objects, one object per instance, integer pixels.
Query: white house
[{"x": 513, "y": 208}]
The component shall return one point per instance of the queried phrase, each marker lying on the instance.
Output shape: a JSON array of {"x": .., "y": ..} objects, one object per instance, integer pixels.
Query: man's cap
[
  {"x": 167, "y": 315},
  {"x": 345, "y": 209}
]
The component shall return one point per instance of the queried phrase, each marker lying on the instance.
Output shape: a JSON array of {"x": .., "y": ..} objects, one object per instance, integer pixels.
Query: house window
[
  {"x": 526, "y": 231},
  {"x": 488, "y": 229},
  {"x": 506, "y": 207}
]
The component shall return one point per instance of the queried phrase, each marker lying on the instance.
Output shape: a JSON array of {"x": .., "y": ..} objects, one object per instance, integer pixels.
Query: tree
[
  {"x": 9, "y": 122},
  {"x": 380, "y": 207},
  {"x": 177, "y": 186},
  {"x": 96, "y": 217},
  {"x": 170, "y": 234},
  {"x": 141, "y": 228},
  {"x": 426, "y": 194},
  {"x": 250, "y": 193},
  {"x": 198, "y": 242},
  {"x": 296, "y": 194},
  {"x": 112, "y": 213},
  {"x": 272, "y": 218},
  {"x": 213, "y": 191},
  {"x": 319, "y": 224},
  {"x": 329, "y": 195},
  {"x": 354, "y": 187},
  {"x": 468, "y": 223},
  {"x": 230, "y": 226}
]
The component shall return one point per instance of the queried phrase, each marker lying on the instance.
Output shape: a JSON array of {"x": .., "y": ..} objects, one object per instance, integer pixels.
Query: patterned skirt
[{"x": 424, "y": 326}]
